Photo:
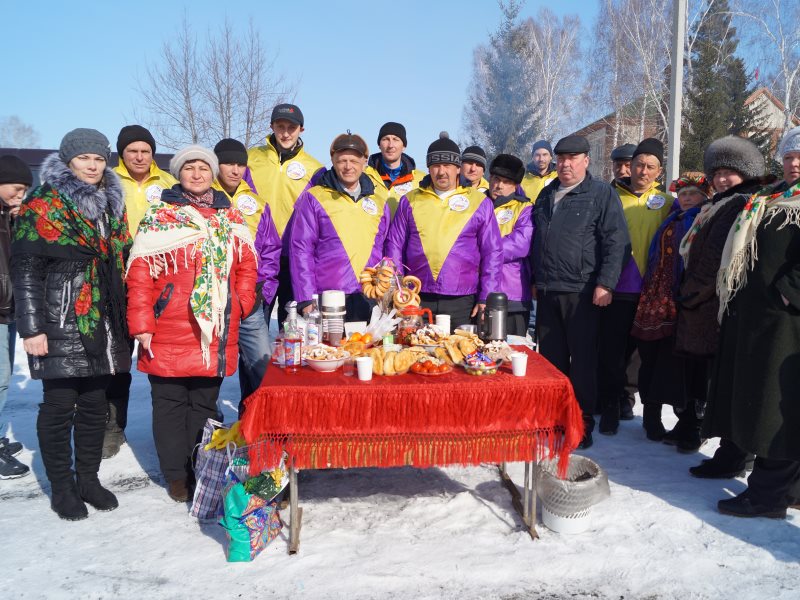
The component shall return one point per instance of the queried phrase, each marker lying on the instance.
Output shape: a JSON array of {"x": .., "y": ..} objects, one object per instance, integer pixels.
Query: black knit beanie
[
  {"x": 650, "y": 146},
  {"x": 14, "y": 170},
  {"x": 134, "y": 133},
  {"x": 392, "y": 128},
  {"x": 508, "y": 166},
  {"x": 443, "y": 151},
  {"x": 231, "y": 152},
  {"x": 474, "y": 154}
]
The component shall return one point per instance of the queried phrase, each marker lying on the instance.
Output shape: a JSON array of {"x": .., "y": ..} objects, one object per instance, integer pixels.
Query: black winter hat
[
  {"x": 735, "y": 153},
  {"x": 474, "y": 154},
  {"x": 443, "y": 151},
  {"x": 542, "y": 145},
  {"x": 14, "y": 170},
  {"x": 392, "y": 128},
  {"x": 290, "y": 112},
  {"x": 231, "y": 152},
  {"x": 134, "y": 133},
  {"x": 624, "y": 152},
  {"x": 508, "y": 166},
  {"x": 650, "y": 146},
  {"x": 572, "y": 144}
]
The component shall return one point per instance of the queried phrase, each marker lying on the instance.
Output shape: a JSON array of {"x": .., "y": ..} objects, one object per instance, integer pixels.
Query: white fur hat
[{"x": 789, "y": 143}]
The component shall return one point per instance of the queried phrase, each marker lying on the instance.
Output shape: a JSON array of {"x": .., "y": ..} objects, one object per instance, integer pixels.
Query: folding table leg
[
  {"x": 525, "y": 506},
  {"x": 295, "y": 512}
]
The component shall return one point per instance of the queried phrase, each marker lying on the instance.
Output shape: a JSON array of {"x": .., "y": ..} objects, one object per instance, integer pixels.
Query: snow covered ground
[{"x": 394, "y": 533}]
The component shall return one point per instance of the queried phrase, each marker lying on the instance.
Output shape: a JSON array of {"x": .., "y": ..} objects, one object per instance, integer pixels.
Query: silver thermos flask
[{"x": 493, "y": 325}]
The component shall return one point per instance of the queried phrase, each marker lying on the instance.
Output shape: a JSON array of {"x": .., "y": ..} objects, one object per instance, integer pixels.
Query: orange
[
  {"x": 366, "y": 338},
  {"x": 356, "y": 337}
]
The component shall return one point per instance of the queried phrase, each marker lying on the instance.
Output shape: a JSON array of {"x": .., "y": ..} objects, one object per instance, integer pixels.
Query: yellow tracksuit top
[{"x": 139, "y": 196}]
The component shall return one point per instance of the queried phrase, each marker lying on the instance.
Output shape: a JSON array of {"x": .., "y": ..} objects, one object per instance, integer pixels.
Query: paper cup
[
  {"x": 519, "y": 363},
  {"x": 364, "y": 368},
  {"x": 443, "y": 323}
]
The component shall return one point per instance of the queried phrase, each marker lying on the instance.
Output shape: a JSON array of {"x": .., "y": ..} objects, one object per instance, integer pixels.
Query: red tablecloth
[{"x": 328, "y": 420}]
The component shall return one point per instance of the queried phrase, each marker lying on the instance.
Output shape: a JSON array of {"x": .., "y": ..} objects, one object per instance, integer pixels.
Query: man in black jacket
[{"x": 580, "y": 245}]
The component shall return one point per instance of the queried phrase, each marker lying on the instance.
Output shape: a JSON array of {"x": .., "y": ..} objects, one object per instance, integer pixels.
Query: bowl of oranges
[{"x": 357, "y": 343}]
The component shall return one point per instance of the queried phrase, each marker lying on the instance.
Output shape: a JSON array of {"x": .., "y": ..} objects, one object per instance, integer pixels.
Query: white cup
[
  {"x": 519, "y": 363},
  {"x": 443, "y": 323},
  {"x": 364, "y": 368}
]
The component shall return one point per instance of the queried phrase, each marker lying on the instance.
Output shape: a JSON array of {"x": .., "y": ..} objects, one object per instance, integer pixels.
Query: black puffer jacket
[
  {"x": 583, "y": 243},
  {"x": 46, "y": 287},
  {"x": 6, "y": 297}
]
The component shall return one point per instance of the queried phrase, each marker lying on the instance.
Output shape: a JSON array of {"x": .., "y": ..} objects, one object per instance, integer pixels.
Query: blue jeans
[
  {"x": 8, "y": 337},
  {"x": 254, "y": 351}
]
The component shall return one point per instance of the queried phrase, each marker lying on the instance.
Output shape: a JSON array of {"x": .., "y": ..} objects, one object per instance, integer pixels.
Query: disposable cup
[
  {"x": 364, "y": 368},
  {"x": 443, "y": 323},
  {"x": 519, "y": 363},
  {"x": 348, "y": 367}
]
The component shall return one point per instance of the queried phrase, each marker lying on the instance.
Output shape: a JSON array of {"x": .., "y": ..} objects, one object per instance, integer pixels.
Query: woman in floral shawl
[
  {"x": 191, "y": 279},
  {"x": 67, "y": 261},
  {"x": 663, "y": 377},
  {"x": 754, "y": 399}
]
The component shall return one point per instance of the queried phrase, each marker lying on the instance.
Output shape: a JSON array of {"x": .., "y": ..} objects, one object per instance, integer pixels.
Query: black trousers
[
  {"x": 284, "y": 294},
  {"x": 73, "y": 407},
  {"x": 118, "y": 394},
  {"x": 774, "y": 482},
  {"x": 458, "y": 307},
  {"x": 517, "y": 323},
  {"x": 358, "y": 307},
  {"x": 181, "y": 406},
  {"x": 566, "y": 323},
  {"x": 614, "y": 348}
]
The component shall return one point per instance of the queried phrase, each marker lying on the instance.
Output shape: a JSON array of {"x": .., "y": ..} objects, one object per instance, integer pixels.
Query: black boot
[
  {"x": 651, "y": 421},
  {"x": 626, "y": 404},
  {"x": 686, "y": 433},
  {"x": 609, "y": 418},
  {"x": 95, "y": 494},
  {"x": 729, "y": 461},
  {"x": 66, "y": 501},
  {"x": 90, "y": 423},
  {"x": 114, "y": 435}
]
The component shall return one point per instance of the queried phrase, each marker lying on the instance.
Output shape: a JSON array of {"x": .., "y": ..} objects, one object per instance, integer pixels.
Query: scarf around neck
[
  {"x": 166, "y": 228},
  {"x": 741, "y": 250}
]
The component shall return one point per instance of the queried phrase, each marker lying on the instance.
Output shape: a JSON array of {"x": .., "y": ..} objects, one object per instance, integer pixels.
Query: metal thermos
[{"x": 493, "y": 321}]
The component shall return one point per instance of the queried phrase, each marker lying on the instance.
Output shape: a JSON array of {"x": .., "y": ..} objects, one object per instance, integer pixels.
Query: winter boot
[
  {"x": 10, "y": 467},
  {"x": 728, "y": 462},
  {"x": 744, "y": 505},
  {"x": 626, "y": 403},
  {"x": 178, "y": 490},
  {"x": 686, "y": 433},
  {"x": 95, "y": 494},
  {"x": 114, "y": 435},
  {"x": 609, "y": 418},
  {"x": 651, "y": 421},
  {"x": 66, "y": 501},
  {"x": 13, "y": 448}
]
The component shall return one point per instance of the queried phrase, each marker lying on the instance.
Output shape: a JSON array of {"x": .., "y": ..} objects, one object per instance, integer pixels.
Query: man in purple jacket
[{"x": 447, "y": 235}]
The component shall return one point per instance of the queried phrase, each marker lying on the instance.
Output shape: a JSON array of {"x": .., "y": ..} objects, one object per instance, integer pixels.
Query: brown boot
[{"x": 178, "y": 490}]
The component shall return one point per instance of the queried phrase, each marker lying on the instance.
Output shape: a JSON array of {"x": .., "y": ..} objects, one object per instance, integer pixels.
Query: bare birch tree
[
  {"x": 15, "y": 133},
  {"x": 201, "y": 93}
]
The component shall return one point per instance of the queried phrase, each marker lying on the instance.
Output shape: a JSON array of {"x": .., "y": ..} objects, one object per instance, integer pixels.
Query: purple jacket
[
  {"x": 474, "y": 262},
  {"x": 268, "y": 250},
  {"x": 516, "y": 279},
  {"x": 318, "y": 259}
]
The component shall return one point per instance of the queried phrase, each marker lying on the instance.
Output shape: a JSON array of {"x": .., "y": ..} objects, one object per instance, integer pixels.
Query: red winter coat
[{"x": 176, "y": 334}]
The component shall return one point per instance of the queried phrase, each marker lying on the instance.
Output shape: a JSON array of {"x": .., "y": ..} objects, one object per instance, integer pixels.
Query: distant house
[
  {"x": 629, "y": 126},
  {"x": 34, "y": 157}
]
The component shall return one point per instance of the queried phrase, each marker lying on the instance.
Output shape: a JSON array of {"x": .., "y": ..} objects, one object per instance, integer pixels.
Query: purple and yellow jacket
[
  {"x": 453, "y": 245},
  {"x": 268, "y": 251},
  {"x": 332, "y": 237},
  {"x": 513, "y": 214}
]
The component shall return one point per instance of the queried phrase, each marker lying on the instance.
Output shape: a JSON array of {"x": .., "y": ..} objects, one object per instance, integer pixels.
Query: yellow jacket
[
  {"x": 398, "y": 190},
  {"x": 643, "y": 213},
  {"x": 533, "y": 184},
  {"x": 280, "y": 184},
  {"x": 247, "y": 201},
  {"x": 138, "y": 197}
]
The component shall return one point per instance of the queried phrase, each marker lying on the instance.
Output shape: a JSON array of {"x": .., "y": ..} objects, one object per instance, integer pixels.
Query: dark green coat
[{"x": 755, "y": 388}]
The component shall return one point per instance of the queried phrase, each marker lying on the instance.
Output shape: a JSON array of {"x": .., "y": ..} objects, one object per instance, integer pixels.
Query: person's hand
[
  {"x": 477, "y": 308},
  {"x": 785, "y": 301},
  {"x": 158, "y": 266},
  {"x": 36, "y": 345},
  {"x": 534, "y": 292},
  {"x": 602, "y": 296},
  {"x": 144, "y": 340}
]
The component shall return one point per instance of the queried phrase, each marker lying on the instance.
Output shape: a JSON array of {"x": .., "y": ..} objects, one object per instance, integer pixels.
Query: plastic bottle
[
  {"x": 292, "y": 340},
  {"x": 314, "y": 324}
]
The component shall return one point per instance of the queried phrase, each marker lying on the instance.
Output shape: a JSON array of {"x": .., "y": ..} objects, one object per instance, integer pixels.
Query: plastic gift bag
[
  {"x": 250, "y": 521},
  {"x": 209, "y": 471}
]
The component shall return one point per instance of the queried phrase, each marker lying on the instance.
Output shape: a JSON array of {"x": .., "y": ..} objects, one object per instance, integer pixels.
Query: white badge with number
[
  {"x": 403, "y": 188},
  {"x": 369, "y": 206},
  {"x": 247, "y": 204},
  {"x": 295, "y": 170},
  {"x": 458, "y": 203},
  {"x": 153, "y": 192},
  {"x": 655, "y": 201},
  {"x": 504, "y": 216}
]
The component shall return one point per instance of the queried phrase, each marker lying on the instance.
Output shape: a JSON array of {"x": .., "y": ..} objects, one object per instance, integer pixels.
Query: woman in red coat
[{"x": 191, "y": 278}]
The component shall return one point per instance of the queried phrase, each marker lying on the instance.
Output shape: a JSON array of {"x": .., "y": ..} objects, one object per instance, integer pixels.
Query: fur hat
[
  {"x": 14, "y": 170},
  {"x": 508, "y": 166},
  {"x": 190, "y": 153},
  {"x": 789, "y": 143},
  {"x": 134, "y": 133},
  {"x": 735, "y": 153},
  {"x": 443, "y": 151},
  {"x": 83, "y": 141}
]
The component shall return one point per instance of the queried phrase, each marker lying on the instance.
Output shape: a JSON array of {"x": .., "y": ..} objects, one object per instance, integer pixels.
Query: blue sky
[{"x": 357, "y": 64}]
